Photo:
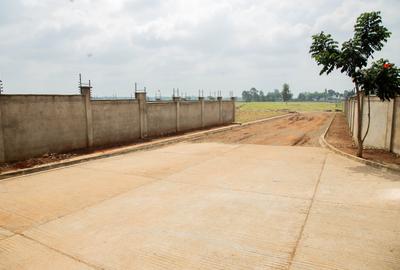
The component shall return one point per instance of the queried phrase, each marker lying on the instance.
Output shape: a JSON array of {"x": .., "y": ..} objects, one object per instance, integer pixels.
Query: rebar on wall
[{"x": 84, "y": 85}]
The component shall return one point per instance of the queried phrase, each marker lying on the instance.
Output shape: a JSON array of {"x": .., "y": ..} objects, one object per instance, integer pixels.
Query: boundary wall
[
  {"x": 33, "y": 125},
  {"x": 384, "y": 132}
]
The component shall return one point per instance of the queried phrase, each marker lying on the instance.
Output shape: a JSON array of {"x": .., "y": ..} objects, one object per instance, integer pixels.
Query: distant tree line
[
  {"x": 327, "y": 95},
  {"x": 254, "y": 95}
]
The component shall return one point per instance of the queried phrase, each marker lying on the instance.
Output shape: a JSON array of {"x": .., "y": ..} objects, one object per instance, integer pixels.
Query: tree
[
  {"x": 331, "y": 93},
  {"x": 246, "y": 96},
  {"x": 254, "y": 94},
  {"x": 262, "y": 96},
  {"x": 348, "y": 94},
  {"x": 286, "y": 95},
  {"x": 271, "y": 96},
  {"x": 381, "y": 79},
  {"x": 302, "y": 97}
]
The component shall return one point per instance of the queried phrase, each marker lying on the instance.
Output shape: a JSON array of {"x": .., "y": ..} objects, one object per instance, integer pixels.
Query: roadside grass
[{"x": 250, "y": 111}]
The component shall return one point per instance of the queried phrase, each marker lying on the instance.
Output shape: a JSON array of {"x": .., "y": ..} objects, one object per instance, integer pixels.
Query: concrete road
[{"x": 204, "y": 206}]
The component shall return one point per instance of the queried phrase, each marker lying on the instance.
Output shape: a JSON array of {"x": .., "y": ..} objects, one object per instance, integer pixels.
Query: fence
[
  {"x": 384, "y": 132},
  {"x": 33, "y": 125}
]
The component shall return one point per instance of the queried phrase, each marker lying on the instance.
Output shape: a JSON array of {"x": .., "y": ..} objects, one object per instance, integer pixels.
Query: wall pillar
[
  {"x": 201, "y": 99},
  {"x": 233, "y": 99},
  {"x": 393, "y": 124},
  {"x": 177, "y": 106},
  {"x": 353, "y": 109},
  {"x": 2, "y": 150},
  {"x": 141, "y": 98},
  {"x": 85, "y": 91},
  {"x": 220, "y": 109},
  {"x": 389, "y": 125}
]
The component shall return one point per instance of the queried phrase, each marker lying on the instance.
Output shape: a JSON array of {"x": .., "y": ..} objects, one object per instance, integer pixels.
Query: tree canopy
[
  {"x": 286, "y": 95},
  {"x": 352, "y": 58}
]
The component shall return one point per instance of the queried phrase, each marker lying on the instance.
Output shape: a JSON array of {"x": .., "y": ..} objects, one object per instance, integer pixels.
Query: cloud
[{"x": 191, "y": 44}]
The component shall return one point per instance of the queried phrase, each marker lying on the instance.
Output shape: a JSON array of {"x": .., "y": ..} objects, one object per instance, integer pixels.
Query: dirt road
[{"x": 300, "y": 129}]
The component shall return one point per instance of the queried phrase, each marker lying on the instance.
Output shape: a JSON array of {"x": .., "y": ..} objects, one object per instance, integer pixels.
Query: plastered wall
[
  {"x": 384, "y": 131},
  {"x": 33, "y": 125}
]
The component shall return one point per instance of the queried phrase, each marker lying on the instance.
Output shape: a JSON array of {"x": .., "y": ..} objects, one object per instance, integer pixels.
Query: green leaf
[
  {"x": 381, "y": 79},
  {"x": 369, "y": 33}
]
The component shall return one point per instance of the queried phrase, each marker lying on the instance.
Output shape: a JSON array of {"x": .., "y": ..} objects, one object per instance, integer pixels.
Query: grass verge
[{"x": 250, "y": 111}]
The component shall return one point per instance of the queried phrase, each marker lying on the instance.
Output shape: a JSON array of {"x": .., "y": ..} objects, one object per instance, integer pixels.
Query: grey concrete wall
[
  {"x": 161, "y": 118},
  {"x": 228, "y": 112},
  {"x": 211, "y": 113},
  {"x": 384, "y": 132},
  {"x": 190, "y": 115},
  {"x": 115, "y": 121},
  {"x": 37, "y": 124},
  {"x": 33, "y": 125},
  {"x": 381, "y": 124}
]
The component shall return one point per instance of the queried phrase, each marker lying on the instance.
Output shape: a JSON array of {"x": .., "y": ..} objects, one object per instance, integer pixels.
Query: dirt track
[
  {"x": 339, "y": 135},
  {"x": 301, "y": 129}
]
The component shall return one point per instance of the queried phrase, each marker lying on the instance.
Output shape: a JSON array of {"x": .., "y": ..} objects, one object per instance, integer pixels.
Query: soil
[
  {"x": 300, "y": 129},
  {"x": 339, "y": 136}
]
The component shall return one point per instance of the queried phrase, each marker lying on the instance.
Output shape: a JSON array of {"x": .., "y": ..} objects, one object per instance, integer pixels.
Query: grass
[{"x": 250, "y": 111}]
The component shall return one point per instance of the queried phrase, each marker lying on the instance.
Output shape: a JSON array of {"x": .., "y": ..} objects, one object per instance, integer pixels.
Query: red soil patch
[
  {"x": 339, "y": 136},
  {"x": 300, "y": 129}
]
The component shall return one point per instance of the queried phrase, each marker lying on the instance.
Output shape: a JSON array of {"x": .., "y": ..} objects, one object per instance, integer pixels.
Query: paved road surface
[{"x": 204, "y": 206}]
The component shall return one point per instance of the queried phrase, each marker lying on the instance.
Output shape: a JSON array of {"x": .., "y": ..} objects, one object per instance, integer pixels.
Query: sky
[{"x": 224, "y": 45}]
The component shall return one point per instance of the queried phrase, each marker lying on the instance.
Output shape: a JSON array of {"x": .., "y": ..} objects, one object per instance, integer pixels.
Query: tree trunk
[
  {"x": 369, "y": 118},
  {"x": 359, "y": 121}
]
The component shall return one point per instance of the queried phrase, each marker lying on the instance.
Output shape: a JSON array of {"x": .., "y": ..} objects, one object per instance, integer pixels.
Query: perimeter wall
[
  {"x": 33, "y": 125},
  {"x": 384, "y": 132}
]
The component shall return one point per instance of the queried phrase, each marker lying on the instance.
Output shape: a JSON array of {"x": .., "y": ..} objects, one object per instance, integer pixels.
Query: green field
[{"x": 250, "y": 111}]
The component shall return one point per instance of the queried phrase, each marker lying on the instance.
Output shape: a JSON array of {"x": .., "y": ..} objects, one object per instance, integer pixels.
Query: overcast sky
[{"x": 227, "y": 45}]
